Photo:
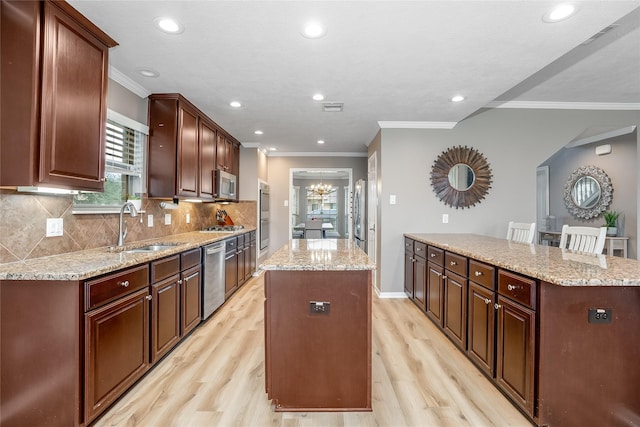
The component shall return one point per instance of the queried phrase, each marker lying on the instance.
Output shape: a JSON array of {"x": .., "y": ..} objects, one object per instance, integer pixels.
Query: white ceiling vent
[{"x": 332, "y": 107}]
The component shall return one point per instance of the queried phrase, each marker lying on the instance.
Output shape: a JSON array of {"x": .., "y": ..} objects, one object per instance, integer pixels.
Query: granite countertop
[
  {"x": 82, "y": 265},
  {"x": 551, "y": 264},
  {"x": 319, "y": 254}
]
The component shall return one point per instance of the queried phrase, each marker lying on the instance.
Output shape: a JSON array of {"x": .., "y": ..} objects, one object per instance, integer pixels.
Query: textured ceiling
[{"x": 387, "y": 61}]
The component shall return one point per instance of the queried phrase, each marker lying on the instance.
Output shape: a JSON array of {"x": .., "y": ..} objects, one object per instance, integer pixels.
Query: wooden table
[{"x": 611, "y": 243}]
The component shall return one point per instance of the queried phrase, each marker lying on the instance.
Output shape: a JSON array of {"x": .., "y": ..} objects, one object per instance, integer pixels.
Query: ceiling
[{"x": 392, "y": 63}]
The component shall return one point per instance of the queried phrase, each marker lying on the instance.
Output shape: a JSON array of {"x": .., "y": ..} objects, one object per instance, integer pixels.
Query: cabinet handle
[
  {"x": 418, "y": 249},
  {"x": 497, "y": 306},
  {"x": 512, "y": 287},
  {"x": 478, "y": 273},
  {"x": 124, "y": 283},
  {"x": 487, "y": 301},
  {"x": 437, "y": 274},
  {"x": 452, "y": 262},
  {"x": 179, "y": 281},
  {"x": 444, "y": 277},
  {"x": 103, "y": 179},
  {"x": 432, "y": 255},
  {"x": 148, "y": 297},
  {"x": 191, "y": 277}
]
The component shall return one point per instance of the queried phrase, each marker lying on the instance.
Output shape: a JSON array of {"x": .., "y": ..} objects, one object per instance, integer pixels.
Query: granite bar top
[
  {"x": 548, "y": 263},
  {"x": 319, "y": 254},
  {"x": 82, "y": 265}
]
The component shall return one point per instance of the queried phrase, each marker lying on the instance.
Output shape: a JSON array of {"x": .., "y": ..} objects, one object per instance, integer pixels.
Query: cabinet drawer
[
  {"x": 231, "y": 244},
  {"x": 455, "y": 263},
  {"x": 408, "y": 244},
  {"x": 164, "y": 268},
  {"x": 420, "y": 249},
  {"x": 241, "y": 240},
  {"x": 482, "y": 274},
  {"x": 252, "y": 236},
  {"x": 105, "y": 289},
  {"x": 435, "y": 255},
  {"x": 518, "y": 288},
  {"x": 190, "y": 259}
]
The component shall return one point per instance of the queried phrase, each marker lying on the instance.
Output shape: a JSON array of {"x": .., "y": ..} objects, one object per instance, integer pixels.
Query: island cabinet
[
  {"x": 416, "y": 272},
  {"x": 53, "y": 60},
  {"x": 116, "y": 336},
  {"x": 318, "y": 340},
  {"x": 481, "y": 323},
  {"x": 408, "y": 267},
  {"x": 435, "y": 285},
  {"x": 454, "y": 319}
]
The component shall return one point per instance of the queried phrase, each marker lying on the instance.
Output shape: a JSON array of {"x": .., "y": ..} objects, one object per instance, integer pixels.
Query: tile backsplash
[{"x": 23, "y": 224}]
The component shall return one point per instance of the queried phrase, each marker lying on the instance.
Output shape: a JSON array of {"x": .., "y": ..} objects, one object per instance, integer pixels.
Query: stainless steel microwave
[{"x": 226, "y": 185}]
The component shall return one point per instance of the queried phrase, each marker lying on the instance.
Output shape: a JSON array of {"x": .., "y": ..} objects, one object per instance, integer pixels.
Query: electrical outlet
[
  {"x": 600, "y": 315},
  {"x": 149, "y": 220},
  {"x": 188, "y": 218},
  {"x": 54, "y": 227},
  {"x": 167, "y": 219},
  {"x": 445, "y": 218},
  {"x": 319, "y": 307},
  {"x": 392, "y": 199}
]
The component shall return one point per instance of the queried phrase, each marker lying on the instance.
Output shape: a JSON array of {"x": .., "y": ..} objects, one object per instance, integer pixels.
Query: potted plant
[
  {"x": 611, "y": 222},
  {"x": 136, "y": 200}
]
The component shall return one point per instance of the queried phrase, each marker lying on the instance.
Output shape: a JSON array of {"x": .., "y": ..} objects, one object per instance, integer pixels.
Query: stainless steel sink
[{"x": 151, "y": 248}]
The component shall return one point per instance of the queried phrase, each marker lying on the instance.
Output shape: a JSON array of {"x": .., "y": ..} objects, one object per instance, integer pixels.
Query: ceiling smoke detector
[{"x": 332, "y": 107}]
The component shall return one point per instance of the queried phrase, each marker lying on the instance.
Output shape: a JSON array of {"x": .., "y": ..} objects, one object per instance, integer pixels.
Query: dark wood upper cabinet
[
  {"x": 207, "y": 159},
  {"x": 54, "y": 87}
]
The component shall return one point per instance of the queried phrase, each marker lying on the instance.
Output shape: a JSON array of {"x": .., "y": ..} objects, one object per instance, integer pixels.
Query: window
[
  {"x": 125, "y": 167},
  {"x": 322, "y": 206}
]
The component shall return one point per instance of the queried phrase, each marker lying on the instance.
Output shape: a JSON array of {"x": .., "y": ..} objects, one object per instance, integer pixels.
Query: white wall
[{"x": 514, "y": 142}]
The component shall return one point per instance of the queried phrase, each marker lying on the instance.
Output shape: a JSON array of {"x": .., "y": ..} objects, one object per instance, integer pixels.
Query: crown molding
[
  {"x": 565, "y": 105},
  {"x": 119, "y": 77},
  {"x": 600, "y": 136},
  {"x": 416, "y": 125},
  {"x": 314, "y": 154}
]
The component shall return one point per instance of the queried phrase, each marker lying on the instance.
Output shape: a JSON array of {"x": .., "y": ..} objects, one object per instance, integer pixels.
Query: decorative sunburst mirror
[{"x": 461, "y": 177}]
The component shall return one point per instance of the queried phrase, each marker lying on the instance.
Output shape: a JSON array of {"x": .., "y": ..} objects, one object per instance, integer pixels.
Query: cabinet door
[
  {"x": 191, "y": 297},
  {"x": 116, "y": 350},
  {"x": 408, "y": 274},
  {"x": 223, "y": 152},
  {"x": 234, "y": 161},
  {"x": 241, "y": 264},
  {"x": 420, "y": 281},
  {"x": 481, "y": 327},
  {"x": 455, "y": 309},
  {"x": 187, "y": 152},
  {"x": 435, "y": 293},
  {"x": 207, "y": 138},
  {"x": 165, "y": 316},
  {"x": 252, "y": 253},
  {"x": 73, "y": 104},
  {"x": 247, "y": 260},
  {"x": 515, "y": 352},
  {"x": 231, "y": 274}
]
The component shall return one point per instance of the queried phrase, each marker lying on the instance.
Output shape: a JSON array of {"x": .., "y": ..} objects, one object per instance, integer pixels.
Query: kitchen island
[
  {"x": 318, "y": 326},
  {"x": 557, "y": 332}
]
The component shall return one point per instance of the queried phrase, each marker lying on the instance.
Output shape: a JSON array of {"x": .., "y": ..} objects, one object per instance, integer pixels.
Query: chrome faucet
[{"x": 134, "y": 213}]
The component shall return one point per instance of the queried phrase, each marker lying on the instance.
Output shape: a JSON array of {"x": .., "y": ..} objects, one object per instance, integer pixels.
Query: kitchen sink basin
[{"x": 151, "y": 248}]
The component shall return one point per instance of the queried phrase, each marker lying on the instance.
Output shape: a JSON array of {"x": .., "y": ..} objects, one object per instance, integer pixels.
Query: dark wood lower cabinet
[
  {"x": 408, "y": 273},
  {"x": 435, "y": 293},
  {"x": 481, "y": 328},
  {"x": 165, "y": 316},
  {"x": 455, "y": 310},
  {"x": 516, "y": 352},
  {"x": 116, "y": 350},
  {"x": 190, "y": 289}
]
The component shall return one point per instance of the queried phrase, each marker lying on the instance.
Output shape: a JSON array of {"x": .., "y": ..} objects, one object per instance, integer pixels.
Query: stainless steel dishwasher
[{"x": 213, "y": 278}]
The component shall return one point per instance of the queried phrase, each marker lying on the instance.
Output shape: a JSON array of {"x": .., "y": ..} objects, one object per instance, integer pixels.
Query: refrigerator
[{"x": 360, "y": 214}]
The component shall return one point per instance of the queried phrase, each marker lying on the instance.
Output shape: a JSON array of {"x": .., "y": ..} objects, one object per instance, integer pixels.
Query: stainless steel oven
[{"x": 264, "y": 215}]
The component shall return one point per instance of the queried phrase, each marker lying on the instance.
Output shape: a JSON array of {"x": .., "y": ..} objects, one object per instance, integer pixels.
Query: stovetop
[{"x": 222, "y": 229}]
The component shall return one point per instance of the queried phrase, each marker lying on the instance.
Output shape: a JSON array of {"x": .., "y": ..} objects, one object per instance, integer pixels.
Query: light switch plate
[
  {"x": 286, "y": 203},
  {"x": 445, "y": 218},
  {"x": 188, "y": 219},
  {"x": 55, "y": 227},
  {"x": 392, "y": 199},
  {"x": 167, "y": 219},
  {"x": 149, "y": 220}
]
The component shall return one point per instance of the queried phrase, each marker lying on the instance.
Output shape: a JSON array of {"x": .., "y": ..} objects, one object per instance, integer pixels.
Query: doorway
[{"x": 322, "y": 194}]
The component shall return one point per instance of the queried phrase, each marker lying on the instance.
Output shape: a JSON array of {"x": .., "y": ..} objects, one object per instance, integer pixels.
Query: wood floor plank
[{"x": 216, "y": 377}]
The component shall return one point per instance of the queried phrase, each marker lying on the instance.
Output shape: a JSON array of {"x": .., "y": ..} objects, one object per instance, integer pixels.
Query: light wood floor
[{"x": 216, "y": 377}]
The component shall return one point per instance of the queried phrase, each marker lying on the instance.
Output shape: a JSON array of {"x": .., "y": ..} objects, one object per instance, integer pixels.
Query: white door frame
[{"x": 372, "y": 215}]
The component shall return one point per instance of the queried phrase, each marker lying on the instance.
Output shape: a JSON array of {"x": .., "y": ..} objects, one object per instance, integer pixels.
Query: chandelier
[{"x": 321, "y": 189}]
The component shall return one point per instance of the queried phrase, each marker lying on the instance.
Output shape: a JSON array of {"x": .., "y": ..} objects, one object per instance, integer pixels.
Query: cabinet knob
[
  {"x": 487, "y": 301},
  {"x": 103, "y": 179},
  {"x": 497, "y": 306},
  {"x": 418, "y": 249},
  {"x": 452, "y": 263},
  {"x": 478, "y": 273},
  {"x": 148, "y": 297},
  {"x": 124, "y": 283},
  {"x": 512, "y": 287},
  {"x": 180, "y": 282},
  {"x": 432, "y": 255}
]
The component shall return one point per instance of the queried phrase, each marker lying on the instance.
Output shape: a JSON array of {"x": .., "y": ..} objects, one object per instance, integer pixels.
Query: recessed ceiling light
[
  {"x": 320, "y": 141},
  {"x": 169, "y": 25},
  {"x": 258, "y": 132},
  {"x": 318, "y": 97},
  {"x": 148, "y": 72},
  {"x": 314, "y": 30},
  {"x": 235, "y": 104},
  {"x": 457, "y": 98},
  {"x": 559, "y": 13},
  {"x": 272, "y": 148}
]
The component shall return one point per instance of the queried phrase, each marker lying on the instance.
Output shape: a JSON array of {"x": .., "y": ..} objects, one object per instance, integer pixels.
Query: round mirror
[
  {"x": 461, "y": 177},
  {"x": 586, "y": 192}
]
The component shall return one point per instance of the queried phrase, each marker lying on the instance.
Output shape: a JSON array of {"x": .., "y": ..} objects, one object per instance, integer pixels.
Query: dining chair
[
  {"x": 583, "y": 239},
  {"x": 521, "y": 232},
  {"x": 313, "y": 229}
]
